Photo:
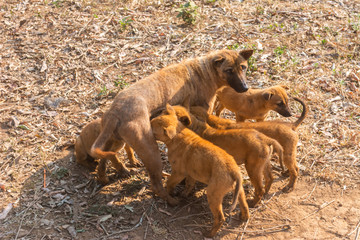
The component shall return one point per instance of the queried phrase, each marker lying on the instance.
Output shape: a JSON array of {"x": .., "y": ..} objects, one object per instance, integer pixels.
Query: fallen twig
[{"x": 321, "y": 207}]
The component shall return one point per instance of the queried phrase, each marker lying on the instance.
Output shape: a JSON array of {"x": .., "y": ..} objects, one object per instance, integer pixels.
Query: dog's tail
[
  {"x": 98, "y": 146},
  {"x": 238, "y": 185},
  {"x": 277, "y": 149},
  {"x": 296, "y": 124}
]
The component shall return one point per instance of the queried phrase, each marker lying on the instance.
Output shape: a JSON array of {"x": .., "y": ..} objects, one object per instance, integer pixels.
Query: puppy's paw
[
  {"x": 172, "y": 201},
  {"x": 104, "y": 180},
  {"x": 252, "y": 203},
  {"x": 208, "y": 234},
  {"x": 287, "y": 189}
]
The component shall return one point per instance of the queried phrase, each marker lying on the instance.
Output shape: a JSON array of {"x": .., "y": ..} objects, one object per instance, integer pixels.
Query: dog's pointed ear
[
  {"x": 170, "y": 110},
  {"x": 185, "y": 120},
  {"x": 186, "y": 102},
  {"x": 170, "y": 132},
  {"x": 267, "y": 95},
  {"x": 246, "y": 54}
]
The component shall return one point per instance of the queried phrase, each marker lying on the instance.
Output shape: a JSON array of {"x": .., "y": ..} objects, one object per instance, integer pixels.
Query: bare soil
[{"x": 62, "y": 62}]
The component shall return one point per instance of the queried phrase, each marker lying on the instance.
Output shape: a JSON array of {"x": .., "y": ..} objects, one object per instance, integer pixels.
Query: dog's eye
[
  {"x": 230, "y": 70},
  {"x": 243, "y": 67},
  {"x": 280, "y": 104}
]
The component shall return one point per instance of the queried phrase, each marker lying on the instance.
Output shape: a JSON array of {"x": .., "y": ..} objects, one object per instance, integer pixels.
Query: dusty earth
[{"x": 62, "y": 62}]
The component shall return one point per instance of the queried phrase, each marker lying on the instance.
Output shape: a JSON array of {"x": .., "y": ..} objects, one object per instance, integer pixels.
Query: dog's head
[
  {"x": 277, "y": 100},
  {"x": 168, "y": 124},
  {"x": 231, "y": 67}
]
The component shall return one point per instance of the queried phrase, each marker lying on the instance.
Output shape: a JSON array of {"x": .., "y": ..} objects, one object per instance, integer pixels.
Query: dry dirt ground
[{"x": 62, "y": 62}]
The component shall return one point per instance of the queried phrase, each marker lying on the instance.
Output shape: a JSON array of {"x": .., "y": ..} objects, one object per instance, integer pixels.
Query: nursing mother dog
[{"x": 128, "y": 118}]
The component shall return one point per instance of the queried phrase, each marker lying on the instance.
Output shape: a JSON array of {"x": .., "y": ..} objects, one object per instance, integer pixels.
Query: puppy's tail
[
  {"x": 296, "y": 124},
  {"x": 238, "y": 185},
  {"x": 278, "y": 149},
  {"x": 97, "y": 148}
]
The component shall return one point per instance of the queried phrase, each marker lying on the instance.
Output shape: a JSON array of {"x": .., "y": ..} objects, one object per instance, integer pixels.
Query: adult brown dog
[
  {"x": 284, "y": 132},
  {"x": 191, "y": 156},
  {"x": 83, "y": 155},
  {"x": 129, "y": 115},
  {"x": 254, "y": 104},
  {"x": 247, "y": 146}
]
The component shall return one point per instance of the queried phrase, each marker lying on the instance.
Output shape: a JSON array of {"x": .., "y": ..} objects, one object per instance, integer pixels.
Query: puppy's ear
[
  {"x": 170, "y": 110},
  {"x": 186, "y": 102},
  {"x": 170, "y": 132},
  {"x": 217, "y": 60},
  {"x": 246, "y": 54},
  {"x": 267, "y": 96},
  {"x": 185, "y": 120}
]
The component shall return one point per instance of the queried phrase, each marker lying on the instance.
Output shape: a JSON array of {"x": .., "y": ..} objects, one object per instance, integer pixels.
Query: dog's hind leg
[{"x": 140, "y": 137}]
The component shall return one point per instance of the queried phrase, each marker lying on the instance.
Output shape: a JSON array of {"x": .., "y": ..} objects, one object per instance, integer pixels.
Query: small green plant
[
  {"x": 125, "y": 22},
  {"x": 57, "y": 3},
  {"x": 188, "y": 12},
  {"x": 60, "y": 173},
  {"x": 103, "y": 91},
  {"x": 121, "y": 83},
  {"x": 279, "y": 50},
  {"x": 252, "y": 64},
  {"x": 323, "y": 42},
  {"x": 233, "y": 47}
]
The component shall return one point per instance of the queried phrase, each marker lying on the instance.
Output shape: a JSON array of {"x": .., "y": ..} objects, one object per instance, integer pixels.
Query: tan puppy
[
  {"x": 247, "y": 146},
  {"x": 83, "y": 155},
  {"x": 128, "y": 118},
  {"x": 253, "y": 104},
  {"x": 284, "y": 132},
  {"x": 191, "y": 156}
]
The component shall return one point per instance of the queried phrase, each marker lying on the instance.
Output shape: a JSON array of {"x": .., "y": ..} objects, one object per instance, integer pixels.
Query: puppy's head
[
  {"x": 231, "y": 67},
  {"x": 276, "y": 99},
  {"x": 166, "y": 126},
  {"x": 199, "y": 112}
]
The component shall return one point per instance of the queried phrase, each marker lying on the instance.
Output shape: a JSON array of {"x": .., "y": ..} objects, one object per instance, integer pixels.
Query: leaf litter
[{"x": 62, "y": 63}]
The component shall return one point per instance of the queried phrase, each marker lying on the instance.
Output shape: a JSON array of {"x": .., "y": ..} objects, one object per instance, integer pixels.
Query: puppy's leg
[
  {"x": 291, "y": 164},
  {"x": 244, "y": 208},
  {"x": 218, "y": 108},
  {"x": 130, "y": 154},
  {"x": 255, "y": 169},
  {"x": 239, "y": 118},
  {"x": 101, "y": 172},
  {"x": 268, "y": 176},
  {"x": 116, "y": 162},
  {"x": 139, "y": 136},
  {"x": 190, "y": 184},
  {"x": 173, "y": 180},
  {"x": 215, "y": 197}
]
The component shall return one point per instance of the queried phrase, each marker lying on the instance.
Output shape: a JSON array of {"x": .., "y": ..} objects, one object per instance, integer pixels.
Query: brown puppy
[
  {"x": 253, "y": 104},
  {"x": 284, "y": 132},
  {"x": 247, "y": 146},
  {"x": 128, "y": 118},
  {"x": 83, "y": 155},
  {"x": 191, "y": 156}
]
